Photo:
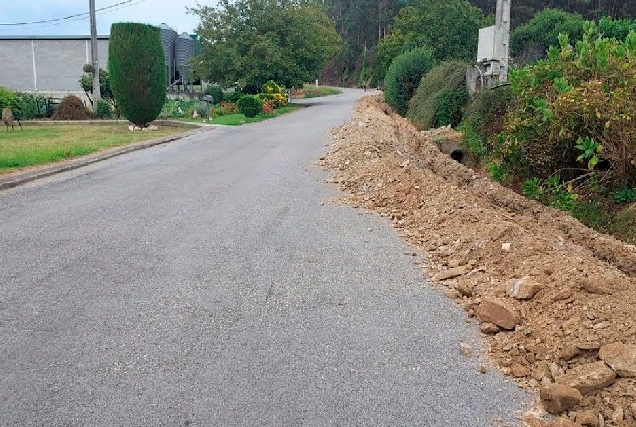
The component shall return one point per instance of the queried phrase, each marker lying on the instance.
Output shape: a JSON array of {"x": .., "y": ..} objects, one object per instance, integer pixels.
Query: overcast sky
[{"x": 172, "y": 12}]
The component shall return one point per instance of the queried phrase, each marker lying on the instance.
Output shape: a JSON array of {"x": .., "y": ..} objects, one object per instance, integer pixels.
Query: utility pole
[
  {"x": 94, "y": 58},
  {"x": 503, "y": 36}
]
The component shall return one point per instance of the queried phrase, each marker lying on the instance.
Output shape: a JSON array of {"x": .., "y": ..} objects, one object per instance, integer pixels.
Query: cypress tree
[{"x": 137, "y": 71}]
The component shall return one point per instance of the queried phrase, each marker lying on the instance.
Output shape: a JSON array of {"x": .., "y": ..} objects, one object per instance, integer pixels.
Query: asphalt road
[{"x": 204, "y": 283}]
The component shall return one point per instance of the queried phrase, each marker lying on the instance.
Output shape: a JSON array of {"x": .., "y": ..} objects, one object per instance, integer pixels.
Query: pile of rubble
[{"x": 556, "y": 301}]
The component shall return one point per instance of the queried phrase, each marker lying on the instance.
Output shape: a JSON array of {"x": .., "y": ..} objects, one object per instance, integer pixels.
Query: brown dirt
[{"x": 463, "y": 219}]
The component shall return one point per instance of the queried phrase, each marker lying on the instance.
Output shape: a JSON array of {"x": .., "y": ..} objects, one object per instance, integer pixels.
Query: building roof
[{"x": 7, "y": 37}]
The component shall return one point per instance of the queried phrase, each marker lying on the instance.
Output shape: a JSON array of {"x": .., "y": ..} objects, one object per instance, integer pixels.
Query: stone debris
[
  {"x": 587, "y": 418},
  {"x": 463, "y": 220},
  {"x": 524, "y": 288},
  {"x": 451, "y": 273},
  {"x": 620, "y": 357},
  {"x": 495, "y": 312},
  {"x": 489, "y": 328},
  {"x": 465, "y": 350},
  {"x": 589, "y": 377},
  {"x": 558, "y": 398}
]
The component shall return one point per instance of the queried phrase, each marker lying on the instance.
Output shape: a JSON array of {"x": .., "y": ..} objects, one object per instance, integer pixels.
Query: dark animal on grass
[{"x": 9, "y": 119}]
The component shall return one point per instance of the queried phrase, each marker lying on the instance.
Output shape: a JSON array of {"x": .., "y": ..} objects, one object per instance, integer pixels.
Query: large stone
[
  {"x": 495, "y": 312},
  {"x": 588, "y": 378},
  {"x": 587, "y": 418},
  {"x": 524, "y": 288},
  {"x": 620, "y": 357},
  {"x": 558, "y": 398},
  {"x": 451, "y": 273}
]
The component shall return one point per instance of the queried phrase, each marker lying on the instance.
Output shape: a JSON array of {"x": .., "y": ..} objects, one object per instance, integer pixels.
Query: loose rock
[
  {"x": 587, "y": 418},
  {"x": 620, "y": 357},
  {"x": 592, "y": 286},
  {"x": 588, "y": 378},
  {"x": 558, "y": 398},
  {"x": 524, "y": 288},
  {"x": 451, "y": 273},
  {"x": 489, "y": 328},
  {"x": 465, "y": 349},
  {"x": 495, "y": 312}
]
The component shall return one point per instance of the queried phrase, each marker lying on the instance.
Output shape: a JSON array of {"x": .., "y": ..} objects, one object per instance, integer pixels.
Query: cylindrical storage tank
[
  {"x": 168, "y": 38},
  {"x": 185, "y": 50}
]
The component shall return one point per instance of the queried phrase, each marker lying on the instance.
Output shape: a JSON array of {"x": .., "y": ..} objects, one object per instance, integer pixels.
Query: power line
[{"x": 82, "y": 15}]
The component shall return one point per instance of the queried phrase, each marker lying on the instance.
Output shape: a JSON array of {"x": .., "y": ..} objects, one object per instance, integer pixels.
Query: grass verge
[
  {"x": 37, "y": 145},
  {"x": 312, "y": 91},
  {"x": 240, "y": 119}
]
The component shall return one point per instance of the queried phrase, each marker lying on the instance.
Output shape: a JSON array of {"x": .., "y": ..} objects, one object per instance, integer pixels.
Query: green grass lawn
[
  {"x": 313, "y": 91},
  {"x": 239, "y": 119},
  {"x": 37, "y": 145}
]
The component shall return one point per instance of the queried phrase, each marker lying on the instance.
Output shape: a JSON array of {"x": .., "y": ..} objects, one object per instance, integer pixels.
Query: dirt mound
[{"x": 548, "y": 291}]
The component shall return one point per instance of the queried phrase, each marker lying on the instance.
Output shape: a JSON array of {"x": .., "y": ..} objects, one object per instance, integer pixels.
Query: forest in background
[{"x": 375, "y": 31}]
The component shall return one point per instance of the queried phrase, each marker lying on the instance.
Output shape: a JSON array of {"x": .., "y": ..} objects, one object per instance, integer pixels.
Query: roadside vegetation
[
  {"x": 313, "y": 91},
  {"x": 39, "y": 144},
  {"x": 562, "y": 132}
]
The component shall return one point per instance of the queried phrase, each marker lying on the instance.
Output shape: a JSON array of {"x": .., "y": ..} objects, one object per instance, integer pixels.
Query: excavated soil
[{"x": 480, "y": 238}]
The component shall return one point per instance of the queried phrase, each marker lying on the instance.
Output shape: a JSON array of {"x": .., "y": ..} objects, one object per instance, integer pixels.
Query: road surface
[{"x": 211, "y": 282}]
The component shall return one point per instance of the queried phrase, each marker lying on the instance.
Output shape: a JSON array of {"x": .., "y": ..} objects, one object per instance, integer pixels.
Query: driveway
[{"x": 212, "y": 282}]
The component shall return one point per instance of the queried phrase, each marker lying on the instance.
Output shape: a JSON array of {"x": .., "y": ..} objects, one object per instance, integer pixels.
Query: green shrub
[
  {"x": 103, "y": 110},
  {"x": 250, "y": 105},
  {"x": 215, "y": 92},
  {"x": 177, "y": 108},
  {"x": 8, "y": 98},
  {"x": 72, "y": 108},
  {"x": 404, "y": 75},
  {"x": 573, "y": 113},
  {"x": 624, "y": 195},
  {"x": 225, "y": 109},
  {"x": 25, "y": 106},
  {"x": 274, "y": 94},
  {"x": 484, "y": 118},
  {"x": 137, "y": 71},
  {"x": 234, "y": 96},
  {"x": 531, "y": 40},
  {"x": 440, "y": 97},
  {"x": 202, "y": 109},
  {"x": 616, "y": 28}
]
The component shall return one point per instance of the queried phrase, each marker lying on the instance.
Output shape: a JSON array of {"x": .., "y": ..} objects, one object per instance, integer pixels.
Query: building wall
[{"x": 48, "y": 66}]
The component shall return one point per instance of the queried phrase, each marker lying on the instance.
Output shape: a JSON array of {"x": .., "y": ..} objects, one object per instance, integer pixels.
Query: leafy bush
[
  {"x": 624, "y": 195},
  {"x": 137, "y": 71},
  {"x": 552, "y": 192},
  {"x": 250, "y": 105},
  {"x": 234, "y": 96},
  {"x": 8, "y": 98},
  {"x": 267, "y": 107},
  {"x": 616, "y": 28},
  {"x": 404, "y": 75},
  {"x": 86, "y": 81},
  {"x": 103, "y": 110},
  {"x": 215, "y": 92},
  {"x": 274, "y": 94},
  {"x": 72, "y": 108},
  {"x": 440, "y": 97},
  {"x": 225, "y": 109},
  {"x": 574, "y": 112},
  {"x": 484, "y": 118},
  {"x": 177, "y": 108},
  {"x": 202, "y": 109},
  {"x": 530, "y": 41}
]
